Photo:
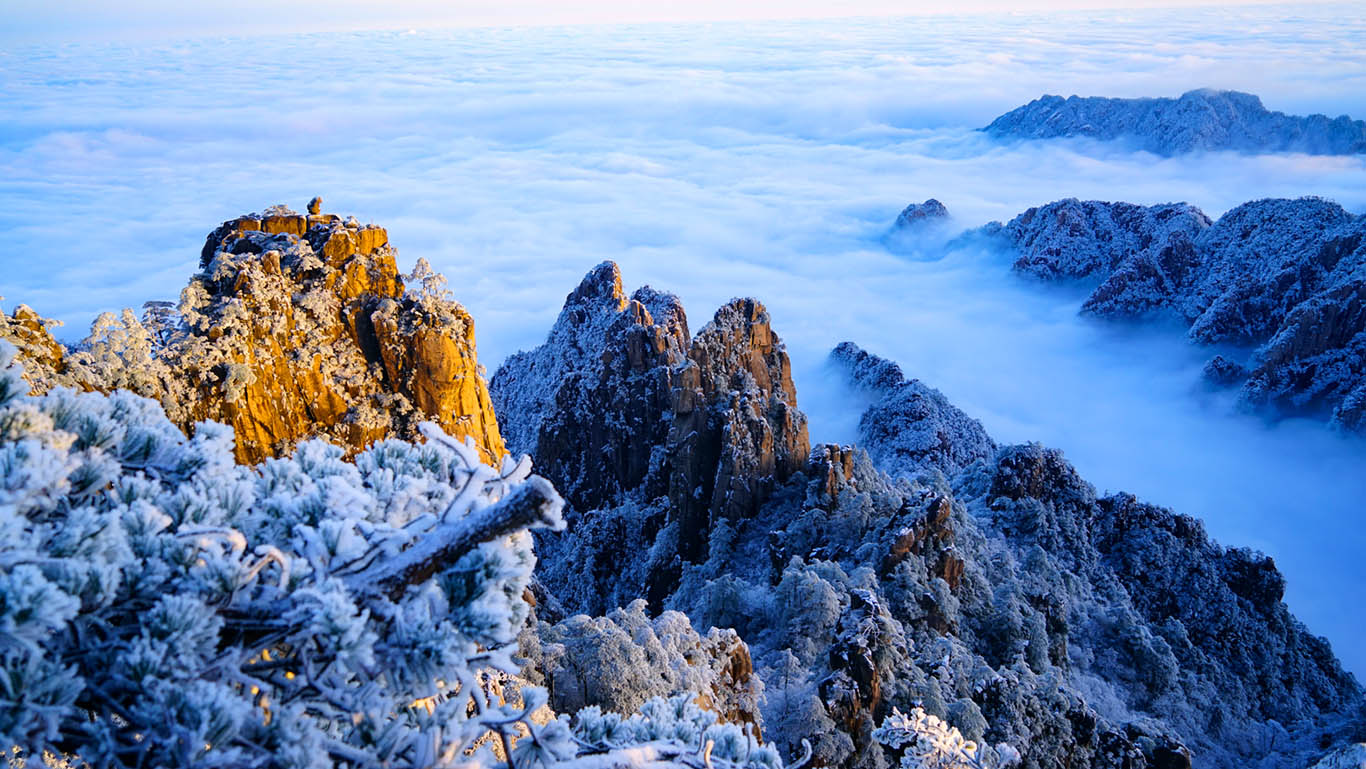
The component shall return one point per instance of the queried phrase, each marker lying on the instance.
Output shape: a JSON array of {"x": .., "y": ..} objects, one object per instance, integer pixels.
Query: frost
[
  {"x": 1200, "y": 120},
  {"x": 161, "y": 605}
]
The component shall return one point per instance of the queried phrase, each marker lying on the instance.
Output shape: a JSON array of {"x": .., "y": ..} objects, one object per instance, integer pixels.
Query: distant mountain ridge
[{"x": 1199, "y": 120}]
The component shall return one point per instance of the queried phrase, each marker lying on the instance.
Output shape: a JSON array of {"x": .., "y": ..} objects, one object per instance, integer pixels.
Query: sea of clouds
[{"x": 763, "y": 159}]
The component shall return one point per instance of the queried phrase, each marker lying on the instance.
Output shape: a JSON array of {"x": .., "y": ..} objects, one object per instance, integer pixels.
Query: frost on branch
[
  {"x": 927, "y": 742},
  {"x": 161, "y": 605},
  {"x": 673, "y": 731}
]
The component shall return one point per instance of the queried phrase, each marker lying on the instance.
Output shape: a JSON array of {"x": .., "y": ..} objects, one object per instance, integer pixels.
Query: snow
[{"x": 1200, "y": 120}]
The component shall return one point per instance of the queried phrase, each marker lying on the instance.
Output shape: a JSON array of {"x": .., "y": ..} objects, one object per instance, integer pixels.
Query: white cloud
[{"x": 717, "y": 160}]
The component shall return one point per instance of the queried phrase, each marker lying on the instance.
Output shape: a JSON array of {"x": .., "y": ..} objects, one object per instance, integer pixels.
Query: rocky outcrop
[
  {"x": 1074, "y": 239},
  {"x": 989, "y": 586},
  {"x": 43, "y": 357},
  {"x": 737, "y": 433},
  {"x": 918, "y": 215},
  {"x": 661, "y": 433},
  {"x": 1201, "y": 120},
  {"x": 300, "y": 326},
  {"x": 1284, "y": 277},
  {"x": 590, "y": 403},
  {"x": 910, "y": 428}
]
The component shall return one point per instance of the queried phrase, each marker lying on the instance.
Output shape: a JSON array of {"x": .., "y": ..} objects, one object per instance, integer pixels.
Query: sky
[
  {"x": 718, "y": 160},
  {"x": 66, "y": 20}
]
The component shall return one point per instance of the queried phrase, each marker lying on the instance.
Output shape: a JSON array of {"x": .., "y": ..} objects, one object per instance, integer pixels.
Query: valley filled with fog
[{"x": 761, "y": 159}]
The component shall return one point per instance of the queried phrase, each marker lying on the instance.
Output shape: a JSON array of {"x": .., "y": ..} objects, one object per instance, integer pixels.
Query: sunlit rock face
[
  {"x": 1286, "y": 278},
  {"x": 332, "y": 342},
  {"x": 299, "y": 326},
  {"x": 44, "y": 358},
  {"x": 624, "y": 409},
  {"x": 1198, "y": 120}
]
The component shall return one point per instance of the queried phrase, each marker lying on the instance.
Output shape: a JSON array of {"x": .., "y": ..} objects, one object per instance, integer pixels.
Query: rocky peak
[
  {"x": 306, "y": 326},
  {"x": 918, "y": 214},
  {"x": 1072, "y": 239},
  {"x": 622, "y": 406},
  {"x": 300, "y": 326},
  {"x": 592, "y": 403},
  {"x": 737, "y": 432}
]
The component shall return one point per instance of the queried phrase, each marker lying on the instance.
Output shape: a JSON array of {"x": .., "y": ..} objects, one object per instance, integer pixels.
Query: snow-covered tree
[
  {"x": 927, "y": 742},
  {"x": 161, "y": 605}
]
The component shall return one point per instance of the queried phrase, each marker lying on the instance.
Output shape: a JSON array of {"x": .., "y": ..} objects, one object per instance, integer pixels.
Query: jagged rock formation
[
  {"x": 919, "y": 214},
  {"x": 297, "y": 326},
  {"x": 1199, "y": 120},
  {"x": 591, "y": 409},
  {"x": 676, "y": 433},
  {"x": 988, "y": 586},
  {"x": 1285, "y": 277}
]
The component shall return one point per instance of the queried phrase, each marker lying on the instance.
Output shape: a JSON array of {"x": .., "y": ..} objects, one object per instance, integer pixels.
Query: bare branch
[{"x": 533, "y": 504}]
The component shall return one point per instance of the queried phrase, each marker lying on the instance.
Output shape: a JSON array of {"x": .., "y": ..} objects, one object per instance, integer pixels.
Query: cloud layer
[{"x": 717, "y": 160}]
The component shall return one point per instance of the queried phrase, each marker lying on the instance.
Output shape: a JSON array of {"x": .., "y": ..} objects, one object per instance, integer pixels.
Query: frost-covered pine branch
[{"x": 161, "y": 605}]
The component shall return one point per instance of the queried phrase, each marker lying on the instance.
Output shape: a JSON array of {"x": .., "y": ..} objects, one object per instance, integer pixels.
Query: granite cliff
[
  {"x": 1199, "y": 120},
  {"x": 296, "y": 326},
  {"x": 628, "y": 411}
]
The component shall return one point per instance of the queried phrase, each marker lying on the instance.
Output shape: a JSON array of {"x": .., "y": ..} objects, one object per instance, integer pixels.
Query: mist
[{"x": 718, "y": 160}]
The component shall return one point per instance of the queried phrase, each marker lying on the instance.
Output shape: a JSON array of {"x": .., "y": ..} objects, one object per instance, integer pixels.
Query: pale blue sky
[{"x": 63, "y": 20}]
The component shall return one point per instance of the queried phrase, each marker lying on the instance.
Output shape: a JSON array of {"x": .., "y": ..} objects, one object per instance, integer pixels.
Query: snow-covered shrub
[
  {"x": 161, "y": 605},
  {"x": 429, "y": 291},
  {"x": 621, "y": 660},
  {"x": 677, "y": 731},
  {"x": 927, "y": 742}
]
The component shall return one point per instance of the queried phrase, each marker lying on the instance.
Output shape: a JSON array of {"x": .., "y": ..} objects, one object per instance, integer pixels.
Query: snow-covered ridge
[
  {"x": 1198, "y": 120},
  {"x": 990, "y": 587},
  {"x": 1284, "y": 278}
]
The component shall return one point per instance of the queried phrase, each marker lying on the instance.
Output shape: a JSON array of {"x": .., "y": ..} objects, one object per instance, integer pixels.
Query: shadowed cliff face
[
  {"x": 297, "y": 326},
  {"x": 990, "y": 585},
  {"x": 621, "y": 405}
]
